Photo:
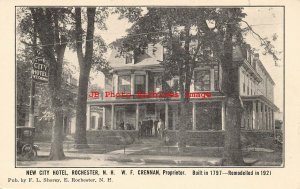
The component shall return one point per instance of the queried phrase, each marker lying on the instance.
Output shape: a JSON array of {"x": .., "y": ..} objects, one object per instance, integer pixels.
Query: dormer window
[
  {"x": 145, "y": 50},
  {"x": 249, "y": 56},
  {"x": 165, "y": 51},
  {"x": 128, "y": 59}
]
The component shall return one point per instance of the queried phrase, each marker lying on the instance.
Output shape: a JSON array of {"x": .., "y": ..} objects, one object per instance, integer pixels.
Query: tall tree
[
  {"x": 230, "y": 87},
  {"x": 91, "y": 57},
  {"x": 52, "y": 37}
]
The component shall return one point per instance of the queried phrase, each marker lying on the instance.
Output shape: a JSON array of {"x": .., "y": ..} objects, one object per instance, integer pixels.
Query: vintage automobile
[{"x": 26, "y": 149}]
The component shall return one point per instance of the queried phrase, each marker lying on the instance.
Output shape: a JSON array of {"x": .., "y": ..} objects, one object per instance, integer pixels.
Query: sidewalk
[
  {"x": 148, "y": 152},
  {"x": 133, "y": 155}
]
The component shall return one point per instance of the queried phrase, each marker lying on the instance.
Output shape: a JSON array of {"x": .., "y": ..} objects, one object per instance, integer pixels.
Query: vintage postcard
[{"x": 105, "y": 95}]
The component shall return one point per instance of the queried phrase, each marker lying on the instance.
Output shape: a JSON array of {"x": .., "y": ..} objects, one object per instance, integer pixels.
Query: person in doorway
[
  {"x": 144, "y": 128},
  {"x": 150, "y": 122},
  {"x": 121, "y": 125},
  {"x": 160, "y": 128},
  {"x": 139, "y": 130},
  {"x": 147, "y": 126},
  {"x": 127, "y": 126}
]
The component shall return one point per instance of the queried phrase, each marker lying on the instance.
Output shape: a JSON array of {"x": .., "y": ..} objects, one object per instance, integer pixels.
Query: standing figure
[
  {"x": 121, "y": 125},
  {"x": 144, "y": 128},
  {"x": 160, "y": 128},
  {"x": 155, "y": 127},
  {"x": 150, "y": 126},
  {"x": 139, "y": 130}
]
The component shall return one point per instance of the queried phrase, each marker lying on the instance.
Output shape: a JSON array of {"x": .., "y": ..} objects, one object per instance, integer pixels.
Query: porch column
[
  {"x": 212, "y": 79},
  {"x": 112, "y": 117},
  {"x": 270, "y": 127},
  {"x": 155, "y": 111},
  {"x": 253, "y": 115},
  {"x": 263, "y": 116},
  {"x": 174, "y": 120},
  {"x": 166, "y": 116},
  {"x": 137, "y": 117},
  {"x": 115, "y": 83},
  {"x": 273, "y": 120},
  {"x": 194, "y": 116},
  {"x": 132, "y": 83},
  {"x": 268, "y": 118},
  {"x": 88, "y": 117},
  {"x": 259, "y": 120},
  {"x": 223, "y": 116},
  {"x": 243, "y": 119},
  {"x": 147, "y": 82},
  {"x": 103, "y": 117},
  {"x": 250, "y": 115}
]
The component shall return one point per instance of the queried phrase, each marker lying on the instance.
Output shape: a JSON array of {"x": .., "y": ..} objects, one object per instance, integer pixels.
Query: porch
[{"x": 204, "y": 114}]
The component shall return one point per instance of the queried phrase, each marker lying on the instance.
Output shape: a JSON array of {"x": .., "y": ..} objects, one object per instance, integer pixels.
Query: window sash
[
  {"x": 124, "y": 84},
  {"x": 202, "y": 80},
  {"x": 158, "y": 83}
]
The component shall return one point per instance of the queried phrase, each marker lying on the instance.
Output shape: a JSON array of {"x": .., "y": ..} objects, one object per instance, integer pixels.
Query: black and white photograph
[{"x": 149, "y": 86}]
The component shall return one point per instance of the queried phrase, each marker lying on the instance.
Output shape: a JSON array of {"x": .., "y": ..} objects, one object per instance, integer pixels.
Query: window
[
  {"x": 244, "y": 88},
  {"x": 216, "y": 77},
  {"x": 139, "y": 84},
  {"x": 145, "y": 50},
  {"x": 124, "y": 84},
  {"x": 175, "y": 85},
  {"x": 27, "y": 133},
  {"x": 202, "y": 80},
  {"x": 165, "y": 51},
  {"x": 249, "y": 56},
  {"x": 157, "y": 84},
  {"x": 128, "y": 59}
]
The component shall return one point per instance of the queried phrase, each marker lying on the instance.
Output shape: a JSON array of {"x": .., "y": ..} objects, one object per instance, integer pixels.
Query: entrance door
[{"x": 120, "y": 117}]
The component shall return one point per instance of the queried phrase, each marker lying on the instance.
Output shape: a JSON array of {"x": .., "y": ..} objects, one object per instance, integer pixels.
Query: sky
[{"x": 264, "y": 21}]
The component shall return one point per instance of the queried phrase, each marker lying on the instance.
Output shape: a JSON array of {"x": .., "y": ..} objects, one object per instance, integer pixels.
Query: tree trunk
[
  {"x": 56, "y": 151},
  {"x": 85, "y": 63},
  {"x": 80, "y": 134},
  {"x": 233, "y": 104},
  {"x": 46, "y": 25},
  {"x": 184, "y": 92},
  {"x": 183, "y": 122},
  {"x": 233, "y": 148}
]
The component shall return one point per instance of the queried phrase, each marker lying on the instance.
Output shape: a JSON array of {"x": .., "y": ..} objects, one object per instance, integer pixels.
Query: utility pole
[{"x": 32, "y": 86}]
